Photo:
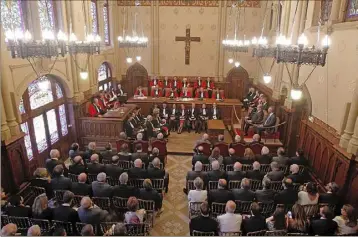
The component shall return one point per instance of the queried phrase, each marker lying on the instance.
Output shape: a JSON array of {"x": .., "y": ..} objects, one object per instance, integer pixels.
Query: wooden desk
[
  {"x": 215, "y": 128},
  {"x": 226, "y": 106},
  {"x": 105, "y": 129}
]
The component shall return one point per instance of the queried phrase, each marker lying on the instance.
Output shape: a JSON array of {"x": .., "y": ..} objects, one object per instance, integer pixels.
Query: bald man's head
[
  {"x": 232, "y": 151},
  {"x": 34, "y": 231},
  {"x": 222, "y": 184},
  {"x": 82, "y": 178},
  {"x": 77, "y": 159},
  {"x": 86, "y": 202},
  {"x": 237, "y": 166},
  {"x": 94, "y": 158},
  {"x": 230, "y": 207},
  {"x": 205, "y": 136},
  {"x": 200, "y": 149},
  {"x": 9, "y": 230},
  {"x": 138, "y": 163},
  {"x": 215, "y": 165},
  {"x": 256, "y": 138}
]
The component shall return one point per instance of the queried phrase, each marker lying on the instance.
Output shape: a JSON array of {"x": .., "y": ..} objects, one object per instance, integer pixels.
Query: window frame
[
  {"x": 56, "y": 25},
  {"x": 97, "y": 20},
  {"x": 106, "y": 4},
  {"x": 108, "y": 81},
  {"x": 346, "y": 18}
]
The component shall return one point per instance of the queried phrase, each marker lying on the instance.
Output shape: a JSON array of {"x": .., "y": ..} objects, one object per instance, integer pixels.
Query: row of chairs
[
  {"x": 125, "y": 165},
  {"x": 256, "y": 233},
  {"x": 46, "y": 226},
  {"x": 265, "y": 168}
]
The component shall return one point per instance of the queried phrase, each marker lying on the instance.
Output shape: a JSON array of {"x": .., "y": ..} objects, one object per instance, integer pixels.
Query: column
[
  {"x": 155, "y": 38},
  {"x": 352, "y": 116},
  {"x": 221, "y": 52},
  {"x": 336, "y": 6},
  {"x": 218, "y": 39},
  {"x": 5, "y": 130},
  {"x": 353, "y": 143}
]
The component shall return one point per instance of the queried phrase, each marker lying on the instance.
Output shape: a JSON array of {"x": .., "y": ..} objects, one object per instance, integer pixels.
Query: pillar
[
  {"x": 222, "y": 17},
  {"x": 5, "y": 130},
  {"x": 353, "y": 143},
  {"x": 334, "y": 16}
]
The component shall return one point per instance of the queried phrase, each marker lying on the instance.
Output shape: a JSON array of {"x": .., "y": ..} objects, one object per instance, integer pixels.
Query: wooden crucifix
[{"x": 187, "y": 39}]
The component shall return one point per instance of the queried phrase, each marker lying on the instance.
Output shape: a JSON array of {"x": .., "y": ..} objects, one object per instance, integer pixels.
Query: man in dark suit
[
  {"x": 148, "y": 193},
  {"x": 165, "y": 112},
  {"x": 123, "y": 190},
  {"x": 266, "y": 194},
  {"x": 154, "y": 172},
  {"x": 59, "y": 182},
  {"x": 295, "y": 174},
  {"x": 91, "y": 149},
  {"x": 215, "y": 112},
  {"x": 199, "y": 156},
  {"x": 108, "y": 153},
  {"x": 255, "y": 173},
  {"x": 113, "y": 170},
  {"x": 91, "y": 214},
  {"x": 237, "y": 174},
  {"x": 288, "y": 195},
  {"x": 17, "y": 208},
  {"x": 193, "y": 118},
  {"x": 256, "y": 222},
  {"x": 65, "y": 212},
  {"x": 151, "y": 130},
  {"x": 197, "y": 172},
  {"x": 220, "y": 195},
  {"x": 275, "y": 174},
  {"x": 231, "y": 159},
  {"x": 325, "y": 225},
  {"x": 129, "y": 127},
  {"x": 299, "y": 159},
  {"x": 269, "y": 122},
  {"x": 264, "y": 158},
  {"x": 81, "y": 187},
  {"x": 257, "y": 118},
  {"x": 101, "y": 188},
  {"x": 78, "y": 166},
  {"x": 215, "y": 174},
  {"x": 95, "y": 167},
  {"x": 53, "y": 161},
  {"x": 137, "y": 172},
  {"x": 331, "y": 196},
  {"x": 139, "y": 154},
  {"x": 244, "y": 193},
  {"x": 204, "y": 115},
  {"x": 281, "y": 159},
  {"x": 204, "y": 222}
]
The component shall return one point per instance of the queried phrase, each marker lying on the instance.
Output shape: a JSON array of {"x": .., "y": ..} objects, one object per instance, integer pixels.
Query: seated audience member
[
  {"x": 299, "y": 159},
  {"x": 101, "y": 188},
  {"x": 203, "y": 139},
  {"x": 255, "y": 173},
  {"x": 230, "y": 222},
  {"x": 255, "y": 222},
  {"x": 90, "y": 213},
  {"x": 201, "y": 94},
  {"x": 275, "y": 174},
  {"x": 237, "y": 139},
  {"x": 65, "y": 212},
  {"x": 95, "y": 109},
  {"x": 124, "y": 153},
  {"x": 155, "y": 172},
  {"x": 266, "y": 194},
  {"x": 155, "y": 154},
  {"x": 134, "y": 215},
  {"x": 140, "y": 92},
  {"x": 108, "y": 153},
  {"x": 17, "y": 208},
  {"x": 87, "y": 230},
  {"x": 216, "y": 156},
  {"x": 215, "y": 174},
  {"x": 249, "y": 157},
  {"x": 91, "y": 149},
  {"x": 119, "y": 91},
  {"x": 295, "y": 174},
  {"x": 114, "y": 170},
  {"x": 148, "y": 193},
  {"x": 81, "y": 187},
  {"x": 120, "y": 230},
  {"x": 204, "y": 222},
  {"x": 123, "y": 190},
  {"x": 331, "y": 196},
  {"x": 40, "y": 209},
  {"x": 78, "y": 166},
  {"x": 268, "y": 123},
  {"x": 209, "y": 86},
  {"x": 197, "y": 172},
  {"x": 256, "y": 139},
  {"x": 53, "y": 161},
  {"x": 151, "y": 129},
  {"x": 277, "y": 221},
  {"x": 244, "y": 193},
  {"x": 9, "y": 230},
  {"x": 231, "y": 159},
  {"x": 220, "y": 195},
  {"x": 203, "y": 118},
  {"x": 171, "y": 93},
  {"x": 75, "y": 151},
  {"x": 129, "y": 127},
  {"x": 199, "y": 83},
  {"x": 288, "y": 195},
  {"x": 309, "y": 195},
  {"x": 95, "y": 167},
  {"x": 137, "y": 172},
  {"x": 215, "y": 112},
  {"x": 185, "y": 83},
  {"x": 192, "y": 121},
  {"x": 59, "y": 231},
  {"x": 237, "y": 174},
  {"x": 297, "y": 222},
  {"x": 347, "y": 221},
  {"x": 198, "y": 195},
  {"x": 60, "y": 182},
  {"x": 281, "y": 159},
  {"x": 217, "y": 95},
  {"x": 41, "y": 179},
  {"x": 265, "y": 158},
  {"x": 200, "y": 156},
  {"x": 34, "y": 231},
  {"x": 173, "y": 118},
  {"x": 325, "y": 225},
  {"x": 256, "y": 118}
]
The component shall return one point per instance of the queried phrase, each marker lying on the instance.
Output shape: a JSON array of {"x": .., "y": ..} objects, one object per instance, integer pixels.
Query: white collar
[{"x": 65, "y": 204}]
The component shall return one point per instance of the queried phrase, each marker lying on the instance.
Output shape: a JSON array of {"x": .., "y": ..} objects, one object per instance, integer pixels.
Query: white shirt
[
  {"x": 343, "y": 229},
  {"x": 164, "y": 111},
  {"x": 173, "y": 111},
  {"x": 268, "y": 118},
  {"x": 185, "y": 93},
  {"x": 120, "y": 92},
  {"x": 192, "y": 112},
  {"x": 96, "y": 107},
  {"x": 197, "y": 195},
  {"x": 303, "y": 199},
  {"x": 155, "y": 82},
  {"x": 204, "y": 111},
  {"x": 208, "y": 84},
  {"x": 130, "y": 123},
  {"x": 230, "y": 222},
  {"x": 166, "y": 82},
  {"x": 199, "y": 82},
  {"x": 214, "y": 111},
  {"x": 156, "y": 92},
  {"x": 182, "y": 113},
  {"x": 201, "y": 94},
  {"x": 184, "y": 84},
  {"x": 217, "y": 96},
  {"x": 175, "y": 83}
]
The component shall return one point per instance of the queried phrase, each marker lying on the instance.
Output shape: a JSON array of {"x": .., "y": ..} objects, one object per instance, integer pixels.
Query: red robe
[
  {"x": 196, "y": 84},
  {"x": 212, "y": 86},
  {"x": 152, "y": 93},
  {"x": 143, "y": 92},
  {"x": 188, "y": 95},
  {"x": 169, "y": 84},
  {"x": 197, "y": 94},
  {"x": 213, "y": 96},
  {"x": 92, "y": 111},
  {"x": 159, "y": 83},
  {"x": 187, "y": 84},
  {"x": 103, "y": 103},
  {"x": 178, "y": 84},
  {"x": 167, "y": 94}
]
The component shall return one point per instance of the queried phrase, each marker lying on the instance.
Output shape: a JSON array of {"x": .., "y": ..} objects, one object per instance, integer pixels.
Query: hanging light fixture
[
  {"x": 231, "y": 60},
  {"x": 139, "y": 58},
  {"x": 296, "y": 93},
  {"x": 237, "y": 64},
  {"x": 84, "y": 75},
  {"x": 129, "y": 60},
  {"x": 267, "y": 78}
]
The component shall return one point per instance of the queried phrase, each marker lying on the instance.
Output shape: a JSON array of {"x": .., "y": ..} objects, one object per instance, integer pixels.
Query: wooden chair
[
  {"x": 120, "y": 204},
  {"x": 213, "y": 185},
  {"x": 190, "y": 185},
  {"x": 161, "y": 145},
  {"x": 256, "y": 148},
  {"x": 59, "y": 195},
  {"x": 276, "y": 233},
  {"x": 137, "y": 229},
  {"x": 149, "y": 207},
  {"x": 234, "y": 184},
  {"x": 283, "y": 168},
  {"x": 22, "y": 223},
  {"x": 145, "y": 145},
  {"x": 158, "y": 184},
  {"x": 131, "y": 165},
  {"x": 124, "y": 164},
  {"x": 230, "y": 233},
  {"x": 44, "y": 225},
  {"x": 103, "y": 202},
  {"x": 91, "y": 178},
  {"x": 265, "y": 168},
  {"x": 267, "y": 208},
  {"x": 70, "y": 230},
  {"x": 217, "y": 209},
  {"x": 255, "y": 184},
  {"x": 138, "y": 183},
  {"x": 206, "y": 148},
  {"x": 246, "y": 167},
  {"x": 106, "y": 226},
  {"x": 296, "y": 186},
  {"x": 106, "y": 162},
  {"x": 243, "y": 206},
  {"x": 77, "y": 200},
  {"x": 194, "y": 209},
  {"x": 207, "y": 167},
  {"x": 332, "y": 207},
  {"x": 223, "y": 147},
  {"x": 302, "y": 169},
  {"x": 229, "y": 168},
  {"x": 112, "y": 181},
  {"x": 239, "y": 149},
  {"x": 37, "y": 190},
  {"x": 257, "y": 233},
  {"x": 311, "y": 210},
  {"x": 4, "y": 220},
  {"x": 276, "y": 185},
  {"x": 201, "y": 233},
  {"x": 120, "y": 142},
  {"x": 73, "y": 177}
]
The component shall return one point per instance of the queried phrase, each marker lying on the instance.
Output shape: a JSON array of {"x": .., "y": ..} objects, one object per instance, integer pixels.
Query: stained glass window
[
  {"x": 94, "y": 16},
  {"x": 106, "y": 23},
  {"x": 40, "y": 133},
  {"x": 52, "y": 125},
  {"x": 352, "y": 10},
  {"x": 25, "y": 129},
  {"x": 46, "y": 15},
  {"x": 12, "y": 15},
  {"x": 40, "y": 92},
  {"x": 22, "y": 107},
  {"x": 326, "y": 7},
  {"x": 59, "y": 93},
  {"x": 63, "y": 120},
  {"x": 102, "y": 72}
]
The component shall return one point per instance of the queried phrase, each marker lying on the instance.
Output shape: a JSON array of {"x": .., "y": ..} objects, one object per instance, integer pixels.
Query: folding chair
[
  {"x": 296, "y": 186},
  {"x": 265, "y": 168},
  {"x": 103, "y": 202},
  {"x": 302, "y": 169},
  {"x": 194, "y": 209},
  {"x": 283, "y": 168},
  {"x": 276, "y": 233},
  {"x": 201, "y": 233},
  {"x": 91, "y": 178},
  {"x": 276, "y": 185},
  {"x": 4, "y": 220},
  {"x": 217, "y": 209},
  {"x": 243, "y": 206},
  {"x": 77, "y": 200},
  {"x": 267, "y": 208},
  {"x": 255, "y": 184},
  {"x": 230, "y": 233},
  {"x": 37, "y": 190},
  {"x": 120, "y": 204},
  {"x": 73, "y": 177},
  {"x": 190, "y": 185},
  {"x": 257, "y": 233},
  {"x": 138, "y": 183},
  {"x": 206, "y": 167},
  {"x": 124, "y": 164},
  {"x": 234, "y": 184},
  {"x": 247, "y": 167},
  {"x": 112, "y": 181},
  {"x": 311, "y": 210},
  {"x": 43, "y": 224},
  {"x": 66, "y": 225},
  {"x": 213, "y": 185},
  {"x": 80, "y": 225},
  {"x": 106, "y": 162},
  {"x": 106, "y": 226},
  {"x": 149, "y": 207},
  {"x": 22, "y": 223},
  {"x": 229, "y": 168},
  {"x": 59, "y": 195},
  {"x": 158, "y": 184},
  {"x": 137, "y": 229}
]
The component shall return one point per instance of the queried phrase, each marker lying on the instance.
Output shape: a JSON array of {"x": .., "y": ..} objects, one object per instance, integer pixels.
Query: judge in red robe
[
  {"x": 140, "y": 92},
  {"x": 185, "y": 93},
  {"x": 155, "y": 92},
  {"x": 176, "y": 83},
  {"x": 167, "y": 83},
  {"x": 155, "y": 82},
  {"x": 217, "y": 94},
  {"x": 185, "y": 83},
  {"x": 94, "y": 109},
  {"x": 199, "y": 83},
  {"x": 201, "y": 93},
  {"x": 171, "y": 93}
]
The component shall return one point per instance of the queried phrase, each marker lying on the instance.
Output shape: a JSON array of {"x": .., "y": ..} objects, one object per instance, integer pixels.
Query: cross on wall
[{"x": 187, "y": 39}]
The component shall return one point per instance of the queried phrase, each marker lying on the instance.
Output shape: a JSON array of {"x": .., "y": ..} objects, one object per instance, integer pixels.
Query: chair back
[
  {"x": 70, "y": 230},
  {"x": 332, "y": 207},
  {"x": 43, "y": 224},
  {"x": 106, "y": 162},
  {"x": 103, "y": 202},
  {"x": 296, "y": 186},
  {"x": 37, "y": 190},
  {"x": 131, "y": 165},
  {"x": 138, "y": 183},
  {"x": 59, "y": 195},
  {"x": 112, "y": 181},
  {"x": 223, "y": 147},
  {"x": 217, "y": 209},
  {"x": 120, "y": 203},
  {"x": 147, "y": 205},
  {"x": 137, "y": 229},
  {"x": 161, "y": 145},
  {"x": 311, "y": 210},
  {"x": 255, "y": 184},
  {"x": 194, "y": 209},
  {"x": 302, "y": 169},
  {"x": 267, "y": 208},
  {"x": 91, "y": 178},
  {"x": 145, "y": 145},
  {"x": 286, "y": 207},
  {"x": 202, "y": 233},
  {"x": 77, "y": 200},
  {"x": 158, "y": 184},
  {"x": 283, "y": 168},
  {"x": 246, "y": 167},
  {"x": 207, "y": 167},
  {"x": 234, "y": 184},
  {"x": 239, "y": 149},
  {"x": 230, "y": 233},
  {"x": 265, "y": 168},
  {"x": 243, "y": 206},
  {"x": 22, "y": 223},
  {"x": 256, "y": 148},
  {"x": 229, "y": 168},
  {"x": 4, "y": 220},
  {"x": 161, "y": 165},
  {"x": 190, "y": 185},
  {"x": 213, "y": 185},
  {"x": 206, "y": 148},
  {"x": 106, "y": 226},
  {"x": 276, "y": 233},
  {"x": 73, "y": 177},
  {"x": 124, "y": 164},
  {"x": 120, "y": 142},
  {"x": 257, "y": 233},
  {"x": 276, "y": 185}
]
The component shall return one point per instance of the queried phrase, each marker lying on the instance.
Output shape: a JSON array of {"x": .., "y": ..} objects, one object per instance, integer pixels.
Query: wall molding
[{"x": 186, "y": 3}]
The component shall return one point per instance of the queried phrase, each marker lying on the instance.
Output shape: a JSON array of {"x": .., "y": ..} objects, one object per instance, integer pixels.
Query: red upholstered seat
[
  {"x": 145, "y": 145},
  {"x": 207, "y": 148},
  {"x": 223, "y": 147},
  {"x": 256, "y": 148},
  {"x": 120, "y": 142},
  {"x": 161, "y": 145},
  {"x": 239, "y": 148}
]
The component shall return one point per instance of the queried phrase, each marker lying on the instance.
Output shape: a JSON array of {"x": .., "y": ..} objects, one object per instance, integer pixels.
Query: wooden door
[{"x": 239, "y": 79}]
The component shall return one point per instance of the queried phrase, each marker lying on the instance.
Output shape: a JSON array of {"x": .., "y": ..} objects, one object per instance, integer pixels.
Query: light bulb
[
  {"x": 9, "y": 35},
  {"x": 19, "y": 34},
  {"x": 138, "y": 58},
  {"x": 280, "y": 39},
  {"x": 120, "y": 38},
  {"x": 44, "y": 85},
  {"x": 73, "y": 37},
  {"x": 267, "y": 78},
  {"x": 296, "y": 94},
  {"x": 302, "y": 40},
  {"x": 129, "y": 60},
  {"x": 97, "y": 38},
  {"x": 237, "y": 64},
  {"x": 326, "y": 41},
  {"x": 231, "y": 60},
  {"x": 27, "y": 36},
  {"x": 90, "y": 38},
  {"x": 61, "y": 36},
  {"x": 84, "y": 75},
  {"x": 254, "y": 40},
  {"x": 48, "y": 35}
]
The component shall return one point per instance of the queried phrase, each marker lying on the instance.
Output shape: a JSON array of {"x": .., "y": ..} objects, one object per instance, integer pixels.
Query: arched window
[
  {"x": 44, "y": 119},
  {"x": 104, "y": 77},
  {"x": 94, "y": 16},
  {"x": 107, "y": 40},
  {"x": 352, "y": 10}
]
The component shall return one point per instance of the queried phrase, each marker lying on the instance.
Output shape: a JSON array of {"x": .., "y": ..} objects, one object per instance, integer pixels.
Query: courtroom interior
[{"x": 179, "y": 117}]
